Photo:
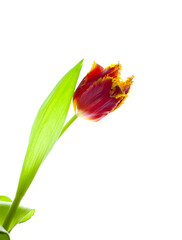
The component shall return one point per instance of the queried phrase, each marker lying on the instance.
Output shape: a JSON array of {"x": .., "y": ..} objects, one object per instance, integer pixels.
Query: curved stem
[{"x": 68, "y": 124}]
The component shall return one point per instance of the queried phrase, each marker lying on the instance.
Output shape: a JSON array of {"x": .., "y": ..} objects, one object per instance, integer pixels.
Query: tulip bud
[{"x": 100, "y": 92}]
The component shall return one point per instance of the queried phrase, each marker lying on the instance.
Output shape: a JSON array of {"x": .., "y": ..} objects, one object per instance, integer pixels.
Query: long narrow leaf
[{"x": 47, "y": 127}]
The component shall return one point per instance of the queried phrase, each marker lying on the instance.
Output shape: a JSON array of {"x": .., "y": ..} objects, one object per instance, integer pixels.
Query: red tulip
[{"x": 101, "y": 92}]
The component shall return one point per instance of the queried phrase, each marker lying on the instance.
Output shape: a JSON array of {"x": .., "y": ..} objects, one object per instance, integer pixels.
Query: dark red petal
[
  {"x": 97, "y": 102},
  {"x": 125, "y": 85},
  {"x": 100, "y": 92},
  {"x": 88, "y": 79},
  {"x": 113, "y": 71},
  {"x": 96, "y": 73},
  {"x": 95, "y": 70}
]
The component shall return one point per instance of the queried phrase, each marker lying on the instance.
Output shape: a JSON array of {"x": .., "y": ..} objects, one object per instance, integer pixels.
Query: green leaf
[
  {"x": 21, "y": 215},
  {"x": 4, "y": 234},
  {"x": 5, "y": 199},
  {"x": 47, "y": 127},
  {"x": 27, "y": 216}
]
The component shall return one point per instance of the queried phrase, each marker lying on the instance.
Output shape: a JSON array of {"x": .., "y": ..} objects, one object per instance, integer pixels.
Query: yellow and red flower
[{"x": 100, "y": 92}]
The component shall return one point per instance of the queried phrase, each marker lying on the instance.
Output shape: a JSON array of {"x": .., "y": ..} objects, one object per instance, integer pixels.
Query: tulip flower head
[{"x": 100, "y": 92}]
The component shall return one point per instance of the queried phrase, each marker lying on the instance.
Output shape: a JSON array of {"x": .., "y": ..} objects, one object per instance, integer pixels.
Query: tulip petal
[
  {"x": 125, "y": 86},
  {"x": 87, "y": 81},
  {"x": 95, "y": 70},
  {"x": 100, "y": 92},
  {"x": 96, "y": 106},
  {"x": 113, "y": 71}
]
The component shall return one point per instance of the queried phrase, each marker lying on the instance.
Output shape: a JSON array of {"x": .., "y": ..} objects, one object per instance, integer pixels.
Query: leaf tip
[{"x": 81, "y": 63}]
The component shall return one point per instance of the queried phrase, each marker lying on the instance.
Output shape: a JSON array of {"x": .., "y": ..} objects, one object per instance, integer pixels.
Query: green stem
[
  {"x": 68, "y": 124},
  {"x": 17, "y": 200},
  {"x": 11, "y": 213}
]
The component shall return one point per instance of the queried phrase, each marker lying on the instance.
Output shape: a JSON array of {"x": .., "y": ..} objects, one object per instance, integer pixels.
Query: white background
[{"x": 120, "y": 178}]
